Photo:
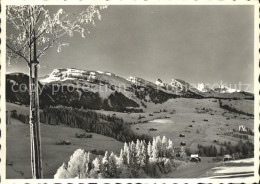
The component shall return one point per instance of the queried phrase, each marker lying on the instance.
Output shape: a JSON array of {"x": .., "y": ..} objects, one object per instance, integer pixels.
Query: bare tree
[{"x": 34, "y": 30}]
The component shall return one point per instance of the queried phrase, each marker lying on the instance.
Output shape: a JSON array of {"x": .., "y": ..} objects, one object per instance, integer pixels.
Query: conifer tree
[
  {"x": 105, "y": 165},
  {"x": 144, "y": 158},
  {"x": 149, "y": 149},
  {"x": 138, "y": 151},
  {"x": 170, "y": 149},
  {"x": 155, "y": 148},
  {"x": 221, "y": 151},
  {"x": 138, "y": 147},
  {"x": 183, "y": 153},
  {"x": 159, "y": 145},
  {"x": 164, "y": 146},
  {"x": 112, "y": 165},
  {"x": 96, "y": 168},
  {"x": 121, "y": 160},
  {"x": 62, "y": 172},
  {"x": 76, "y": 163}
]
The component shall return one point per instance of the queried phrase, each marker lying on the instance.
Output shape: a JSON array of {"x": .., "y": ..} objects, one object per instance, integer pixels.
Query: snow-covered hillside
[
  {"x": 224, "y": 89},
  {"x": 112, "y": 89},
  {"x": 68, "y": 74}
]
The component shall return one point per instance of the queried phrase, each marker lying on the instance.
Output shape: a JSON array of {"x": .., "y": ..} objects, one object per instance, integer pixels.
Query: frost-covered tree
[
  {"x": 96, "y": 164},
  {"x": 133, "y": 162},
  {"x": 126, "y": 155},
  {"x": 170, "y": 149},
  {"x": 183, "y": 153},
  {"x": 112, "y": 166},
  {"x": 62, "y": 172},
  {"x": 167, "y": 165},
  {"x": 96, "y": 168},
  {"x": 32, "y": 31},
  {"x": 138, "y": 151},
  {"x": 77, "y": 164},
  {"x": 120, "y": 160},
  {"x": 87, "y": 164},
  {"x": 143, "y": 157},
  {"x": 131, "y": 153},
  {"x": 156, "y": 148},
  {"x": 159, "y": 145},
  {"x": 164, "y": 146},
  {"x": 138, "y": 147},
  {"x": 105, "y": 165},
  {"x": 149, "y": 149}
]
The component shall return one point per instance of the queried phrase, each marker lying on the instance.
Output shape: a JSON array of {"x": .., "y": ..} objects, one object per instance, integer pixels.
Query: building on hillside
[
  {"x": 182, "y": 135},
  {"x": 227, "y": 158},
  {"x": 195, "y": 158},
  {"x": 183, "y": 143}
]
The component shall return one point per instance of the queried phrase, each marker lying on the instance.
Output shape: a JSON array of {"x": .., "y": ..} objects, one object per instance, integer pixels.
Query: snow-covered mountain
[
  {"x": 108, "y": 88},
  {"x": 160, "y": 83},
  {"x": 179, "y": 85},
  {"x": 136, "y": 80},
  {"x": 203, "y": 88},
  {"x": 224, "y": 89},
  {"x": 69, "y": 74},
  {"x": 62, "y": 74},
  {"x": 108, "y": 91}
]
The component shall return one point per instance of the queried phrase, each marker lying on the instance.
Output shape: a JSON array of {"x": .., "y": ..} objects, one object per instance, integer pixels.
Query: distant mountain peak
[
  {"x": 202, "y": 87},
  {"x": 67, "y": 74},
  {"x": 222, "y": 88},
  {"x": 179, "y": 84},
  {"x": 63, "y": 74},
  {"x": 160, "y": 83}
]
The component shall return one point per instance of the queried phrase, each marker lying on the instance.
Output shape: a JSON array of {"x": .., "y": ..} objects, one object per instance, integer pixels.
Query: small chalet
[
  {"x": 227, "y": 158},
  {"x": 183, "y": 143},
  {"x": 195, "y": 158},
  {"x": 181, "y": 135}
]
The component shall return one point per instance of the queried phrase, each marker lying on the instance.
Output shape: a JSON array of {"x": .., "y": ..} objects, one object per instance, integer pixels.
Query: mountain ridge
[
  {"x": 105, "y": 90},
  {"x": 176, "y": 83}
]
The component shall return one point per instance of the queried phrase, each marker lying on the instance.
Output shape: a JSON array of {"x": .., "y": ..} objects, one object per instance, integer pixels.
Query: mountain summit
[{"x": 203, "y": 88}]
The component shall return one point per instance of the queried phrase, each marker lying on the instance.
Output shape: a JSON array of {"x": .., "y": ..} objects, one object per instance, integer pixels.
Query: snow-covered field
[
  {"x": 18, "y": 147},
  {"x": 175, "y": 118},
  {"x": 206, "y": 127},
  {"x": 162, "y": 121},
  {"x": 234, "y": 169}
]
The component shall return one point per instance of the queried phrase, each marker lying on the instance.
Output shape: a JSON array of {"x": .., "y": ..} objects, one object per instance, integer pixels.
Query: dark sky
[{"x": 194, "y": 43}]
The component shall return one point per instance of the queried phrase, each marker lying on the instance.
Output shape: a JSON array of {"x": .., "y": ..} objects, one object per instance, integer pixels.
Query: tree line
[
  {"x": 88, "y": 120},
  {"x": 91, "y": 121},
  {"x": 239, "y": 136},
  {"x": 136, "y": 160},
  {"x": 241, "y": 149},
  {"x": 233, "y": 109}
]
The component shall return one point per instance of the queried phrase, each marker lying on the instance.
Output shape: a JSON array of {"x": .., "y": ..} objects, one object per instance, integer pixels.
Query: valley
[
  {"x": 206, "y": 127},
  {"x": 171, "y": 119},
  {"x": 115, "y": 110}
]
